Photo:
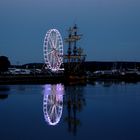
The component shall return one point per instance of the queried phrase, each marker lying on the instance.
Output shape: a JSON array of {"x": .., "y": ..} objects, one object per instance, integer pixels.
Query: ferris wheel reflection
[{"x": 53, "y": 103}]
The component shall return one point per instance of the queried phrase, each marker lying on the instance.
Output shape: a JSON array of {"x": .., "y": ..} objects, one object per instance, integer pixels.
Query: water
[{"x": 102, "y": 111}]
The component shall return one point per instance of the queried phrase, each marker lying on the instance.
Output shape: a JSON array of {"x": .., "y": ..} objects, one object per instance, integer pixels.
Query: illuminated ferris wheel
[
  {"x": 53, "y": 50},
  {"x": 53, "y": 103}
]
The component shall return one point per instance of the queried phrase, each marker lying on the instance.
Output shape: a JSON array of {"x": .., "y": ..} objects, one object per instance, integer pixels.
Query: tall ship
[{"x": 74, "y": 58}]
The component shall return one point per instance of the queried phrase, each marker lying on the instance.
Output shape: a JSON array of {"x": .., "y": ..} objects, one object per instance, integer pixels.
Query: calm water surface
[{"x": 102, "y": 111}]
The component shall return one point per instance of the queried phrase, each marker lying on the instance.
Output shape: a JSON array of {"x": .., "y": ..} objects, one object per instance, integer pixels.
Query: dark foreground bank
[
  {"x": 52, "y": 79},
  {"x": 30, "y": 79}
]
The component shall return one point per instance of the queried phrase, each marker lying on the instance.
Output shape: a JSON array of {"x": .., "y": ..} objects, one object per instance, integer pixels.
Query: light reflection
[
  {"x": 53, "y": 103},
  {"x": 75, "y": 102}
]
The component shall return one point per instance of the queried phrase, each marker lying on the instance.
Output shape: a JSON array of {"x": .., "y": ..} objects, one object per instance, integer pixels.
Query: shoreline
[
  {"x": 30, "y": 79},
  {"x": 53, "y": 79}
]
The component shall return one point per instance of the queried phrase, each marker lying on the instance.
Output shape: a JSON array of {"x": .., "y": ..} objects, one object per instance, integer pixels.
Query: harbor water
[{"x": 97, "y": 111}]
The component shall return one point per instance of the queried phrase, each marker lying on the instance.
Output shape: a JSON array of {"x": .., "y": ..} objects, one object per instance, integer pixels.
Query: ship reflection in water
[
  {"x": 53, "y": 103},
  {"x": 74, "y": 101}
]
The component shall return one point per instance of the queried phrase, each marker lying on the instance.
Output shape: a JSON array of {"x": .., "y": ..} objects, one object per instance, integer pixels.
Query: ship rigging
[{"x": 75, "y": 57}]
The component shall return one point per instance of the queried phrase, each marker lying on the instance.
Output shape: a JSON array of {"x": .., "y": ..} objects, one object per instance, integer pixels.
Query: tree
[{"x": 4, "y": 64}]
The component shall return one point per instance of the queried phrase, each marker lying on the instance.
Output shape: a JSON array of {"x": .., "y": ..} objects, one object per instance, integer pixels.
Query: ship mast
[{"x": 74, "y": 56}]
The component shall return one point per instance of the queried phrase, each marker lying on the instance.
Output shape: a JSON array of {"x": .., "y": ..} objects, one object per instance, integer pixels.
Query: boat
[{"x": 74, "y": 58}]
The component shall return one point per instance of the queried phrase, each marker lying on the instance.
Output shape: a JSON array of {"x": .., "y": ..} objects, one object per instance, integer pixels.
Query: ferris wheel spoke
[
  {"x": 51, "y": 43},
  {"x": 56, "y": 41},
  {"x": 52, "y": 40},
  {"x": 55, "y": 111},
  {"x": 52, "y": 111},
  {"x": 50, "y": 52},
  {"x": 55, "y": 38},
  {"x": 56, "y": 114}
]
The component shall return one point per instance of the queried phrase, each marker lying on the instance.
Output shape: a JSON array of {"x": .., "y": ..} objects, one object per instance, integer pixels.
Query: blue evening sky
[{"x": 110, "y": 28}]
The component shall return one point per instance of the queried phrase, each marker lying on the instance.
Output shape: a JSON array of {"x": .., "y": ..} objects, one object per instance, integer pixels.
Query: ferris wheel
[
  {"x": 53, "y": 103},
  {"x": 53, "y": 50}
]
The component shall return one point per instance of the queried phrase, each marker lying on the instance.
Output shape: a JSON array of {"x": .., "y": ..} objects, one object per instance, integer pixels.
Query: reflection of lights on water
[
  {"x": 59, "y": 87},
  {"x": 53, "y": 103}
]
